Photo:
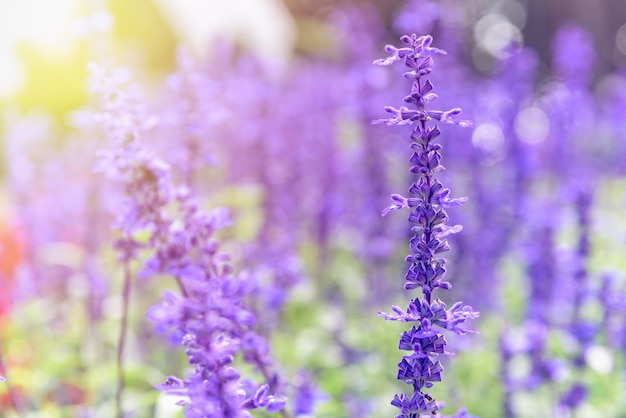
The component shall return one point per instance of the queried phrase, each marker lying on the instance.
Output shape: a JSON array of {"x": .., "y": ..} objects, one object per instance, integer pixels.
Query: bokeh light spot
[
  {"x": 489, "y": 137},
  {"x": 532, "y": 125},
  {"x": 495, "y": 34},
  {"x": 599, "y": 359}
]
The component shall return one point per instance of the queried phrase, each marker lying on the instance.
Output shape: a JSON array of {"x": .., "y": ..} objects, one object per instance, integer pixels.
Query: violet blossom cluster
[
  {"x": 208, "y": 316},
  {"x": 428, "y": 203},
  {"x": 210, "y": 319}
]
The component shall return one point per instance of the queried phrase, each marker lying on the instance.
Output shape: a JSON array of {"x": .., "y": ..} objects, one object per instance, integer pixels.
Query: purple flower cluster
[
  {"x": 428, "y": 203},
  {"x": 209, "y": 318}
]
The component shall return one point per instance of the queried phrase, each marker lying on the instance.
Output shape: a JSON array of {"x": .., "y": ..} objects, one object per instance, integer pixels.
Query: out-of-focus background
[{"x": 44, "y": 44}]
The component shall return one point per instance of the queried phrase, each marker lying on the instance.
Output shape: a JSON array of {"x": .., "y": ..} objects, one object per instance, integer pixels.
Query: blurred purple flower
[
  {"x": 574, "y": 396},
  {"x": 417, "y": 15},
  {"x": 306, "y": 394},
  {"x": 574, "y": 54},
  {"x": 210, "y": 318}
]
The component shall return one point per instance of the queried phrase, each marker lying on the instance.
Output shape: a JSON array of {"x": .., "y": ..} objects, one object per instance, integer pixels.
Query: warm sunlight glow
[
  {"x": 47, "y": 25},
  {"x": 264, "y": 25}
]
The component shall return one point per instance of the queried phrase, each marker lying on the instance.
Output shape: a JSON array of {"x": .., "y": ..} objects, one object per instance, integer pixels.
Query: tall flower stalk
[
  {"x": 209, "y": 318},
  {"x": 428, "y": 218}
]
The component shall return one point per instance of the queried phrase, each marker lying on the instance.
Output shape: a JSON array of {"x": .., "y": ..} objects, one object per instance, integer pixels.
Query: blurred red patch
[{"x": 11, "y": 252}]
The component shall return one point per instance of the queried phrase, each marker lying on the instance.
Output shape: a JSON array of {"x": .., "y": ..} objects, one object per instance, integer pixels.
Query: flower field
[{"x": 409, "y": 209}]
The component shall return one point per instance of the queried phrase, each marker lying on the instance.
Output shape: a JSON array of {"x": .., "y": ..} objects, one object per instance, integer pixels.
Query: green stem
[{"x": 122, "y": 340}]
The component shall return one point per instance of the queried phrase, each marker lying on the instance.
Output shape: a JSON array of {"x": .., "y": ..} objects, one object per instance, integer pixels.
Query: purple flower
[
  {"x": 434, "y": 313},
  {"x": 415, "y": 405},
  {"x": 428, "y": 218},
  {"x": 574, "y": 54},
  {"x": 262, "y": 399},
  {"x": 307, "y": 395},
  {"x": 419, "y": 48},
  {"x": 209, "y": 318},
  {"x": 574, "y": 396}
]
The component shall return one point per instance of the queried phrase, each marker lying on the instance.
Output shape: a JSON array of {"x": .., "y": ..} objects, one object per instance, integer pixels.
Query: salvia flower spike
[
  {"x": 427, "y": 203},
  {"x": 209, "y": 318}
]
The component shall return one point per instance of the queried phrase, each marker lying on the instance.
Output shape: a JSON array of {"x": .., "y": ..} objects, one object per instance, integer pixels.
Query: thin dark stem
[
  {"x": 266, "y": 374},
  {"x": 428, "y": 177},
  {"x": 181, "y": 286},
  {"x": 10, "y": 390},
  {"x": 122, "y": 339}
]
